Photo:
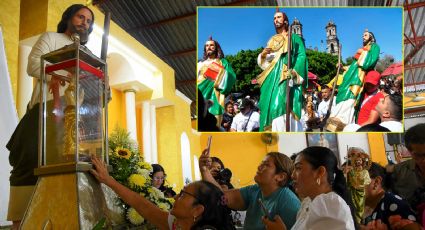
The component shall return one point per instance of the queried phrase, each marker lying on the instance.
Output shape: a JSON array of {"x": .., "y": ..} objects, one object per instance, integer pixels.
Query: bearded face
[
  {"x": 210, "y": 49},
  {"x": 278, "y": 20},
  {"x": 366, "y": 38},
  {"x": 81, "y": 30}
]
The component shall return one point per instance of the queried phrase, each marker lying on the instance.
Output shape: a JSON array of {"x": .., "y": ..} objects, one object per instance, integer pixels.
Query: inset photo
[{"x": 300, "y": 69}]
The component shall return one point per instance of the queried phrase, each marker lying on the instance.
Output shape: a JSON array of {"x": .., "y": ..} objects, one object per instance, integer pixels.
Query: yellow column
[{"x": 377, "y": 148}]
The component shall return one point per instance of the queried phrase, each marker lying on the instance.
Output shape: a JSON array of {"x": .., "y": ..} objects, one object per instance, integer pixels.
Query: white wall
[
  {"x": 186, "y": 161},
  {"x": 291, "y": 143},
  {"x": 8, "y": 122},
  {"x": 359, "y": 140},
  {"x": 408, "y": 123},
  {"x": 295, "y": 142}
]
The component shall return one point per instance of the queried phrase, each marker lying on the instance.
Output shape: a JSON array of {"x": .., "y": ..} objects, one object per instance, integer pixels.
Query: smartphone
[
  {"x": 209, "y": 145},
  {"x": 265, "y": 211}
]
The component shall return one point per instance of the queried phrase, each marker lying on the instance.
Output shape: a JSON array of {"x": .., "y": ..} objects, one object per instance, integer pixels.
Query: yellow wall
[
  {"x": 241, "y": 153},
  {"x": 9, "y": 21},
  {"x": 116, "y": 111},
  {"x": 33, "y": 18},
  {"x": 377, "y": 148}
]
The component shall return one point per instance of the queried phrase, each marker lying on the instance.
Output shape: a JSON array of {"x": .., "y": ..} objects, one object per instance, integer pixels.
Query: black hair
[
  {"x": 69, "y": 13},
  {"x": 414, "y": 135},
  {"x": 318, "y": 156},
  {"x": 218, "y": 51},
  {"x": 158, "y": 168},
  {"x": 375, "y": 127},
  {"x": 325, "y": 87},
  {"x": 216, "y": 214},
  {"x": 207, "y": 121},
  {"x": 372, "y": 39},
  {"x": 216, "y": 159},
  {"x": 376, "y": 170},
  {"x": 396, "y": 108},
  {"x": 293, "y": 157}
]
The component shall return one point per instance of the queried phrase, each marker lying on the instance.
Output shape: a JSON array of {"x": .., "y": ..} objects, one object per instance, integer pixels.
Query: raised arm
[
  {"x": 233, "y": 196},
  {"x": 143, "y": 206}
]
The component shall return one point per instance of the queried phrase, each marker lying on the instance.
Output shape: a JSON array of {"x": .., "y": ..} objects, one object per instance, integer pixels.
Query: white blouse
[{"x": 325, "y": 211}]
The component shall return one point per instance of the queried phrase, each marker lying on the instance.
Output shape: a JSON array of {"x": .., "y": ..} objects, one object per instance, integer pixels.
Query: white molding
[{"x": 182, "y": 96}]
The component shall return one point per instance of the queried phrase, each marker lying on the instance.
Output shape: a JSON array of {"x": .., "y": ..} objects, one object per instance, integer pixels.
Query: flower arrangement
[{"x": 130, "y": 170}]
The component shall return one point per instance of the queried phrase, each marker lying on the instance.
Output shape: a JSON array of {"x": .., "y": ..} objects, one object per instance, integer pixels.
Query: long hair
[
  {"x": 285, "y": 20},
  {"x": 321, "y": 156},
  {"x": 216, "y": 214},
  {"x": 158, "y": 168},
  {"x": 218, "y": 51},
  {"x": 69, "y": 13},
  {"x": 282, "y": 164}
]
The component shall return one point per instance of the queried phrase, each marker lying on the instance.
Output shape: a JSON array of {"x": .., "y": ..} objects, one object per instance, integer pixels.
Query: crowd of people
[
  {"x": 309, "y": 192},
  {"x": 381, "y": 109}
]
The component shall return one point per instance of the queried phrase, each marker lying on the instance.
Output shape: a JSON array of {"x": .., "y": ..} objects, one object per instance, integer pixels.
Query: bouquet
[{"x": 130, "y": 170}]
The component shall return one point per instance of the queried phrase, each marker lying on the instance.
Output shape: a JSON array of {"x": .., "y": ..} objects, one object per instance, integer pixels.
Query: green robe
[
  {"x": 272, "y": 102},
  {"x": 357, "y": 181},
  {"x": 216, "y": 94},
  {"x": 352, "y": 84}
]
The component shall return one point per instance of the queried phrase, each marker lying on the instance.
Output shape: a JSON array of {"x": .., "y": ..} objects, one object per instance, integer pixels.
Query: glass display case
[{"x": 73, "y": 116}]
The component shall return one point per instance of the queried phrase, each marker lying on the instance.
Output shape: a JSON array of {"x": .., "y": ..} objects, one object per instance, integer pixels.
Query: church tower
[
  {"x": 297, "y": 28},
  {"x": 331, "y": 39}
]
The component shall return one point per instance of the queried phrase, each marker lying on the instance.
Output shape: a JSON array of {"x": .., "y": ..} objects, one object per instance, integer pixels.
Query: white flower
[
  {"x": 144, "y": 172},
  {"x": 134, "y": 217},
  {"x": 156, "y": 194}
]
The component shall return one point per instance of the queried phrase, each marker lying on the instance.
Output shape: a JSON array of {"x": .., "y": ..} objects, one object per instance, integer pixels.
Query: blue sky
[{"x": 250, "y": 28}]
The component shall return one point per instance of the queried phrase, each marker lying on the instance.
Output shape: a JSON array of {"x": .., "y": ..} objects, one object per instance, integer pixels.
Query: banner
[{"x": 8, "y": 123}]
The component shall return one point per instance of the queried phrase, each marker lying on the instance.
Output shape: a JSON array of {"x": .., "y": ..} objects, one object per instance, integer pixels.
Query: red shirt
[{"x": 369, "y": 104}]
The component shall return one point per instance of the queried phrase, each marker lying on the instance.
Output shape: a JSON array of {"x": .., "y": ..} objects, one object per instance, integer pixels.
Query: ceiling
[{"x": 168, "y": 29}]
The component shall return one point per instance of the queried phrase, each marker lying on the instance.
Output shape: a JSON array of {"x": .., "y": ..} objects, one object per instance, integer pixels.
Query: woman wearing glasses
[
  {"x": 200, "y": 205},
  {"x": 158, "y": 180},
  {"x": 269, "y": 196}
]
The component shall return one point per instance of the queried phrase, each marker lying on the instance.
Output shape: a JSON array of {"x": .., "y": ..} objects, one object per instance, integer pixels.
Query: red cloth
[
  {"x": 213, "y": 70},
  {"x": 367, "y": 107}
]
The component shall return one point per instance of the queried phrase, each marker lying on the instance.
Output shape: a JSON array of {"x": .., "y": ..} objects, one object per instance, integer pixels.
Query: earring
[
  {"x": 194, "y": 219},
  {"x": 318, "y": 181}
]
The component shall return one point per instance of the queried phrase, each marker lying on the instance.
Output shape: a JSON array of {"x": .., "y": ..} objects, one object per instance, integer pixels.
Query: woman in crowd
[
  {"x": 158, "y": 177},
  {"x": 385, "y": 210},
  {"x": 228, "y": 115},
  {"x": 199, "y": 205},
  {"x": 271, "y": 188},
  {"x": 322, "y": 186}
]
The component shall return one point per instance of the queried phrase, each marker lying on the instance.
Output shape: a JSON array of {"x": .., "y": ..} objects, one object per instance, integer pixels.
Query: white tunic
[
  {"x": 326, "y": 211},
  {"x": 47, "y": 43}
]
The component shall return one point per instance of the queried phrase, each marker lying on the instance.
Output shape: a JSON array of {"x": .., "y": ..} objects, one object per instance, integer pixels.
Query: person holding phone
[
  {"x": 271, "y": 180},
  {"x": 326, "y": 203}
]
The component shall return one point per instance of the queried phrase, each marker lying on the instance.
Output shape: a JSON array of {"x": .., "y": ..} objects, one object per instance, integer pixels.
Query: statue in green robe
[
  {"x": 215, "y": 77},
  {"x": 273, "y": 80},
  {"x": 358, "y": 178},
  {"x": 352, "y": 85}
]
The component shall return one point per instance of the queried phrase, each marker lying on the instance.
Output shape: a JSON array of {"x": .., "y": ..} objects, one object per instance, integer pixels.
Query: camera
[{"x": 223, "y": 176}]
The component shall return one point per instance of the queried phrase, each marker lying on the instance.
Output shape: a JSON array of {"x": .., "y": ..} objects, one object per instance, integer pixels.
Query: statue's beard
[
  {"x": 82, "y": 32},
  {"x": 211, "y": 54},
  {"x": 367, "y": 41}
]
